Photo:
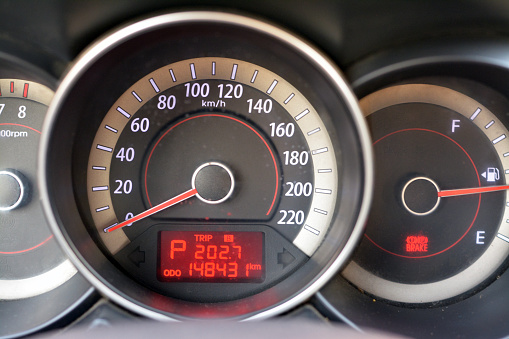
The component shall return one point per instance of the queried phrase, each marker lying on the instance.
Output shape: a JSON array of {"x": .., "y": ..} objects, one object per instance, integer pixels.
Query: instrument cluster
[{"x": 206, "y": 163}]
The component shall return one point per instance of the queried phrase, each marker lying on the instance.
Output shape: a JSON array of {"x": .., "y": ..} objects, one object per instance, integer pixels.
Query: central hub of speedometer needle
[
  {"x": 212, "y": 183},
  {"x": 162, "y": 206},
  {"x": 475, "y": 190}
]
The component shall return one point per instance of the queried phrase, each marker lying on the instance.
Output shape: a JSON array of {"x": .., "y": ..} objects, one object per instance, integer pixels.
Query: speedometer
[
  {"x": 213, "y": 156},
  {"x": 210, "y": 176}
]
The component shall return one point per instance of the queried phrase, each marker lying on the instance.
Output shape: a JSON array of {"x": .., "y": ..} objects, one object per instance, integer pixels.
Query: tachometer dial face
[
  {"x": 31, "y": 262},
  {"x": 437, "y": 226},
  {"x": 34, "y": 272},
  {"x": 210, "y": 172}
]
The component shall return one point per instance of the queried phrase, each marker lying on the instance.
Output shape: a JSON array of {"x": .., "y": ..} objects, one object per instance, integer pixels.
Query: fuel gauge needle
[
  {"x": 475, "y": 190},
  {"x": 162, "y": 206}
]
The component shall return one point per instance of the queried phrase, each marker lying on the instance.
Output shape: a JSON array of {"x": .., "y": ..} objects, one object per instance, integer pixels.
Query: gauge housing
[
  {"x": 110, "y": 66},
  {"x": 33, "y": 277},
  {"x": 480, "y": 70}
]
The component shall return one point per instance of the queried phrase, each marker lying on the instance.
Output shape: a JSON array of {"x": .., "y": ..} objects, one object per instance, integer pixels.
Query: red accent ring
[
  {"x": 11, "y": 124},
  {"x": 225, "y": 117},
  {"x": 478, "y": 205},
  {"x": 31, "y": 248}
]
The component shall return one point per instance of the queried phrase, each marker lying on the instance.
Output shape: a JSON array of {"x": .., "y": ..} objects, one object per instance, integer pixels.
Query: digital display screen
[{"x": 187, "y": 256}]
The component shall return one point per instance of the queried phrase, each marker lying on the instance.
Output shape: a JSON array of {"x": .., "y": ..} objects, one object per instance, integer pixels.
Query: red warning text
[{"x": 417, "y": 243}]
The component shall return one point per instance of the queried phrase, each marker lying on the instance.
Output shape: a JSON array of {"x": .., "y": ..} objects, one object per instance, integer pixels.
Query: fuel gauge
[{"x": 437, "y": 226}]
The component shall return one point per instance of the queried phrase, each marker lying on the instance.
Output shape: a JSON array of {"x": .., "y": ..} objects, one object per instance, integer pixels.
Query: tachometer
[
  {"x": 33, "y": 269},
  {"x": 213, "y": 177},
  {"x": 30, "y": 259}
]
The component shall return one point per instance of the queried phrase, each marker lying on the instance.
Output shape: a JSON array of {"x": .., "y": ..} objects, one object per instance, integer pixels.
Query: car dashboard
[{"x": 328, "y": 162}]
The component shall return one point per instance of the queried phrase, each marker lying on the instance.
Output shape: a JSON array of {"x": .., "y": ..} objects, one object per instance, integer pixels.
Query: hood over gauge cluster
[{"x": 208, "y": 176}]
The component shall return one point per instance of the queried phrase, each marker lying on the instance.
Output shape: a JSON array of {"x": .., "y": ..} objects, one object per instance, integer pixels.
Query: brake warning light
[{"x": 417, "y": 243}]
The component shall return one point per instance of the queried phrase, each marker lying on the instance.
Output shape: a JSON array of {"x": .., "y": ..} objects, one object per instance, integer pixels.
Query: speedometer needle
[
  {"x": 475, "y": 190},
  {"x": 168, "y": 203}
]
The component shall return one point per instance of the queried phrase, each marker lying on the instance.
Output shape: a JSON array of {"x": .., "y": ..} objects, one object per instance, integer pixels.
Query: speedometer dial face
[
  {"x": 437, "y": 227},
  {"x": 214, "y": 178},
  {"x": 246, "y": 153}
]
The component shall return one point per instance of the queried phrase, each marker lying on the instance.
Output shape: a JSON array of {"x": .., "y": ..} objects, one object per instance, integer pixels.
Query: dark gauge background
[
  {"x": 210, "y": 138},
  {"x": 93, "y": 89},
  {"x": 165, "y": 157},
  {"x": 27, "y": 247},
  {"x": 416, "y": 140}
]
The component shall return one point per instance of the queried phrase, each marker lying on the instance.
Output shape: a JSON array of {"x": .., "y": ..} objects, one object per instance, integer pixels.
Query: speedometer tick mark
[
  {"x": 107, "y": 228},
  {"x": 314, "y": 131},
  {"x": 136, "y": 96},
  {"x": 104, "y": 148},
  {"x": 255, "y": 74},
  {"x": 312, "y": 230},
  {"x": 325, "y": 170},
  {"x": 289, "y": 98},
  {"x": 173, "y": 76},
  {"x": 123, "y": 112},
  {"x": 302, "y": 114},
  {"x": 99, "y": 188},
  {"x": 193, "y": 71},
  {"x": 323, "y": 191},
  {"x": 234, "y": 71},
  {"x": 213, "y": 68},
  {"x": 154, "y": 85},
  {"x": 272, "y": 86},
  {"x": 104, "y": 208},
  {"x": 99, "y": 168},
  {"x": 489, "y": 124},
  {"x": 317, "y": 210},
  {"x": 109, "y": 128},
  {"x": 320, "y": 150}
]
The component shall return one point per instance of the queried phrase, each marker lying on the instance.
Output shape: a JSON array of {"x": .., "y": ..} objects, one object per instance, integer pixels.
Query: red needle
[
  {"x": 168, "y": 203},
  {"x": 463, "y": 191}
]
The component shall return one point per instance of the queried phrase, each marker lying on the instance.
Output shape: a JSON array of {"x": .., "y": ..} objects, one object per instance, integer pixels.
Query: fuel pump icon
[{"x": 492, "y": 174}]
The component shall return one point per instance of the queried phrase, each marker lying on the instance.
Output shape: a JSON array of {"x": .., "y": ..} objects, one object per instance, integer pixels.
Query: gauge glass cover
[{"x": 218, "y": 138}]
